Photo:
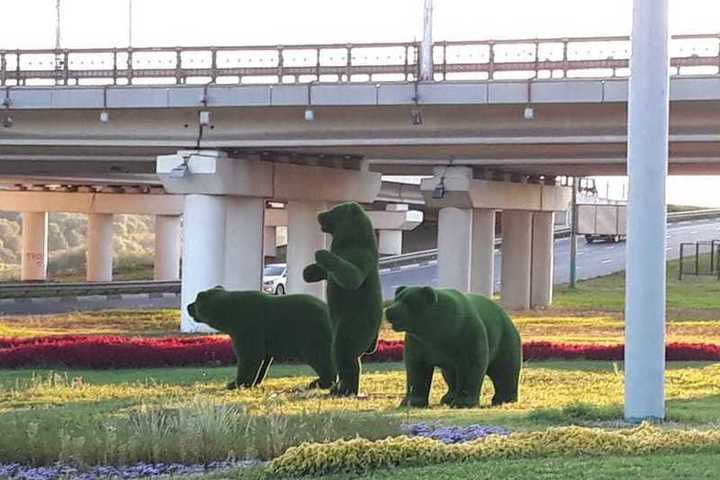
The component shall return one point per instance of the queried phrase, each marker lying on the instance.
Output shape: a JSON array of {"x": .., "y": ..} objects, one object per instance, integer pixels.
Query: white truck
[{"x": 603, "y": 222}]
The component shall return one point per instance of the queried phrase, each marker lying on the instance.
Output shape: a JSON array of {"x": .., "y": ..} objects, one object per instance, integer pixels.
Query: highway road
[{"x": 593, "y": 260}]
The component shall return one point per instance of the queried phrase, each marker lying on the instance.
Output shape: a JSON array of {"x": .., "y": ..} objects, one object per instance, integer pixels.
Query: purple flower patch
[
  {"x": 453, "y": 434},
  {"x": 138, "y": 470}
]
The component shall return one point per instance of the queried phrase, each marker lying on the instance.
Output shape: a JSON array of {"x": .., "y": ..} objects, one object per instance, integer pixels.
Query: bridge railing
[{"x": 594, "y": 57}]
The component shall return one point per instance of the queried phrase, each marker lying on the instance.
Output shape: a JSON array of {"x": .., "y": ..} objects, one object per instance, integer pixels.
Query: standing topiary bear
[
  {"x": 353, "y": 289},
  {"x": 263, "y": 327},
  {"x": 466, "y": 335}
]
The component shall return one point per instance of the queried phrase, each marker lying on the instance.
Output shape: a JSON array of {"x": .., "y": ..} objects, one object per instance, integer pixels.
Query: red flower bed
[{"x": 140, "y": 352}]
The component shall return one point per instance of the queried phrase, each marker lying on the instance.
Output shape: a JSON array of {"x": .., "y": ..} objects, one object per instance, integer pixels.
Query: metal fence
[
  {"x": 594, "y": 57},
  {"x": 699, "y": 259}
]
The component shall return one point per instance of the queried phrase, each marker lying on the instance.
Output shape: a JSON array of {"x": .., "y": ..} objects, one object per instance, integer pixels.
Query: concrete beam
[
  {"x": 90, "y": 203},
  {"x": 213, "y": 172},
  {"x": 464, "y": 191}
]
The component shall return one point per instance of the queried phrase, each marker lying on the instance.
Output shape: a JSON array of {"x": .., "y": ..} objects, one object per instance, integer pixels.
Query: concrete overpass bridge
[{"x": 229, "y": 128}]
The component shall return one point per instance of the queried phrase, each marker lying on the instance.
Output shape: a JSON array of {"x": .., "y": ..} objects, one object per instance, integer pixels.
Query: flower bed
[
  {"x": 100, "y": 352},
  {"x": 360, "y": 455}
]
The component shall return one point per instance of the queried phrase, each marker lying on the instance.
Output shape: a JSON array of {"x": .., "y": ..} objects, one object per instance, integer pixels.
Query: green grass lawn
[{"x": 691, "y": 296}]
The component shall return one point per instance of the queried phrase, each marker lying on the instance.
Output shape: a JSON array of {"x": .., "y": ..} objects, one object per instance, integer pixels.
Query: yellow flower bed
[
  {"x": 541, "y": 388},
  {"x": 360, "y": 455}
]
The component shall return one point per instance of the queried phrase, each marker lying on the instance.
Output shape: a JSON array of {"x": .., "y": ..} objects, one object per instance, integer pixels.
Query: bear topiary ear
[
  {"x": 218, "y": 287},
  {"x": 399, "y": 289},
  {"x": 429, "y": 295}
]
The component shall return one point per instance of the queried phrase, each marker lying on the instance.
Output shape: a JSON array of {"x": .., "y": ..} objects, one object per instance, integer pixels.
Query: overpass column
[
  {"x": 304, "y": 238},
  {"x": 203, "y": 251},
  {"x": 516, "y": 251},
  {"x": 33, "y": 263},
  {"x": 167, "y": 247},
  {"x": 390, "y": 242},
  {"x": 244, "y": 243},
  {"x": 99, "y": 247},
  {"x": 541, "y": 284},
  {"x": 270, "y": 242},
  {"x": 454, "y": 239},
  {"x": 482, "y": 267}
]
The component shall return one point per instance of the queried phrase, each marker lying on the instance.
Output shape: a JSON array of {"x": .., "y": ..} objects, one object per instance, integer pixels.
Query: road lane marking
[{"x": 606, "y": 260}]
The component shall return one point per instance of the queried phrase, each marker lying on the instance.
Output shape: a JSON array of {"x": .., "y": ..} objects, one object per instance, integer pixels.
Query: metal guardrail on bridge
[{"x": 595, "y": 57}]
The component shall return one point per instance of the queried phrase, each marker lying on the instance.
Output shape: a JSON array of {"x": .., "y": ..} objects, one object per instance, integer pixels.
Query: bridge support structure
[
  {"x": 34, "y": 247},
  {"x": 466, "y": 234},
  {"x": 99, "y": 247},
  {"x": 167, "y": 248},
  {"x": 225, "y": 217}
]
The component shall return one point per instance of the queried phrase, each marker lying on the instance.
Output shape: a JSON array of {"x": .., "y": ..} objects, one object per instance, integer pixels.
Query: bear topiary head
[
  {"x": 347, "y": 222},
  {"x": 407, "y": 313},
  {"x": 206, "y": 308}
]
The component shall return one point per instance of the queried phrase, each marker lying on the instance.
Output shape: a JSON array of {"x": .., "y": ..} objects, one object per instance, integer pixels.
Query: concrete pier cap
[{"x": 461, "y": 190}]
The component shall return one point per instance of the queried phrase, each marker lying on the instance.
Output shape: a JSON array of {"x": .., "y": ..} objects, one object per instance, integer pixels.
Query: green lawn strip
[
  {"x": 607, "y": 293},
  {"x": 656, "y": 467}
]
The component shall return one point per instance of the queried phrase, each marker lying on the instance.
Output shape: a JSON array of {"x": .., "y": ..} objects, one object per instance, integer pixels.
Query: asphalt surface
[{"x": 594, "y": 260}]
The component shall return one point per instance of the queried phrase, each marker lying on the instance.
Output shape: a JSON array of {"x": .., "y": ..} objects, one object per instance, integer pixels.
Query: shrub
[{"x": 360, "y": 455}]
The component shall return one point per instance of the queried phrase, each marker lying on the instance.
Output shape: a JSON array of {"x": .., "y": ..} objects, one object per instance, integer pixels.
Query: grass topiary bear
[
  {"x": 353, "y": 289},
  {"x": 263, "y": 327},
  {"x": 466, "y": 335}
]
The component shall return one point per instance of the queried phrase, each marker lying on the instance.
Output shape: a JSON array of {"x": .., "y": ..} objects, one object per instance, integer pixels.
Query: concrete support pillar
[
  {"x": 482, "y": 268},
  {"x": 304, "y": 238},
  {"x": 270, "y": 242},
  {"x": 426, "y": 53},
  {"x": 203, "y": 251},
  {"x": 454, "y": 239},
  {"x": 541, "y": 282},
  {"x": 243, "y": 243},
  {"x": 647, "y": 170},
  {"x": 390, "y": 242},
  {"x": 167, "y": 247},
  {"x": 99, "y": 247},
  {"x": 516, "y": 252},
  {"x": 33, "y": 262}
]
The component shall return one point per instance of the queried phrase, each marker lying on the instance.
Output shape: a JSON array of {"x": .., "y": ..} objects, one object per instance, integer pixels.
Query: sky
[{"x": 104, "y": 23}]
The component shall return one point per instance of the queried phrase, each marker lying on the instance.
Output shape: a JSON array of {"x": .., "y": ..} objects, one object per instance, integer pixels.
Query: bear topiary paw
[
  {"x": 342, "y": 389},
  {"x": 232, "y": 385}
]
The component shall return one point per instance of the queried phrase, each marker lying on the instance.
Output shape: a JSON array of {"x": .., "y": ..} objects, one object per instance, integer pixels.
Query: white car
[{"x": 275, "y": 278}]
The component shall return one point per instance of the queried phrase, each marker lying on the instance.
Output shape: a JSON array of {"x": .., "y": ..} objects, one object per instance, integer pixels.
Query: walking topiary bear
[
  {"x": 466, "y": 335},
  {"x": 353, "y": 289},
  {"x": 263, "y": 327}
]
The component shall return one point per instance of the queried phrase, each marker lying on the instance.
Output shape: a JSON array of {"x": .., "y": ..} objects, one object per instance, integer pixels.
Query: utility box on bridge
[{"x": 605, "y": 222}]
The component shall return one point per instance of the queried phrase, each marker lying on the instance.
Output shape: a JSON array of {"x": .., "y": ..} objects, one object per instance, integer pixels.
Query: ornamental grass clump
[{"x": 361, "y": 455}]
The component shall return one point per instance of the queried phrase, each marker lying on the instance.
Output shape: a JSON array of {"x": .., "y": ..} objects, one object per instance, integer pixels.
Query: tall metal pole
[
  {"x": 130, "y": 21},
  {"x": 648, "y": 111},
  {"x": 426, "y": 53},
  {"x": 57, "y": 25},
  {"x": 573, "y": 235}
]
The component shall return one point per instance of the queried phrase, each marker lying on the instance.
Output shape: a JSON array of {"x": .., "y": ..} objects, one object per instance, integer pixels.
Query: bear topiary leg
[
  {"x": 348, "y": 367},
  {"x": 324, "y": 367},
  {"x": 418, "y": 378},
  {"x": 470, "y": 375},
  {"x": 250, "y": 354},
  {"x": 450, "y": 376},
  {"x": 504, "y": 372}
]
